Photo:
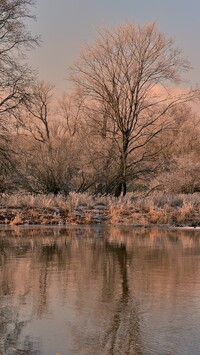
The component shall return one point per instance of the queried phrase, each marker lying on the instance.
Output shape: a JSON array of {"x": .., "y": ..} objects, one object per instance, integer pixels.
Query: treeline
[{"x": 127, "y": 125}]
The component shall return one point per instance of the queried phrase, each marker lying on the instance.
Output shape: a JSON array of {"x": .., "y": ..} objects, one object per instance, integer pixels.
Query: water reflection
[
  {"x": 123, "y": 333},
  {"x": 97, "y": 291}
]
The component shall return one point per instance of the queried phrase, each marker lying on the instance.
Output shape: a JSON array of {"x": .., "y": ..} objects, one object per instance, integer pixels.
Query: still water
[{"x": 99, "y": 291}]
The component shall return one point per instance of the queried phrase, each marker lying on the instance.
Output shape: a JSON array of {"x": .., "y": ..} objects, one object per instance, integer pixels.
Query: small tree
[
  {"x": 47, "y": 151},
  {"x": 36, "y": 115},
  {"x": 127, "y": 78}
]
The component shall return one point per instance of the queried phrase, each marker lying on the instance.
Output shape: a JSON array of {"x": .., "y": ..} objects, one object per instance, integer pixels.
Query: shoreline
[
  {"x": 66, "y": 226},
  {"x": 10, "y": 217},
  {"x": 156, "y": 211}
]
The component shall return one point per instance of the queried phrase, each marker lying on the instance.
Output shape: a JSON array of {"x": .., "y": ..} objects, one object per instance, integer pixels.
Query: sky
[{"x": 65, "y": 26}]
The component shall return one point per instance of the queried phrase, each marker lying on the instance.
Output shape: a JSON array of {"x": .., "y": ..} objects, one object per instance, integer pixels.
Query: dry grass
[
  {"x": 183, "y": 213},
  {"x": 156, "y": 209}
]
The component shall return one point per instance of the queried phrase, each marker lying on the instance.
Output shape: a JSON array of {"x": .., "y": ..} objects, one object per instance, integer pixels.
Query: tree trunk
[{"x": 121, "y": 186}]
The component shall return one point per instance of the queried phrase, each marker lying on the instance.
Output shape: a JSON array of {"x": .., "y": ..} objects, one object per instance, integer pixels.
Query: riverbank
[{"x": 157, "y": 209}]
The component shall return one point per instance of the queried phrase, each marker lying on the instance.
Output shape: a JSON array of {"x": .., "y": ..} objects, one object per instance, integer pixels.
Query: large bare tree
[{"x": 128, "y": 77}]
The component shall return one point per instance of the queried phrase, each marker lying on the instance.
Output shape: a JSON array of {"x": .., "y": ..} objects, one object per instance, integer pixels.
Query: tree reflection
[
  {"x": 49, "y": 254},
  {"x": 123, "y": 333},
  {"x": 11, "y": 329}
]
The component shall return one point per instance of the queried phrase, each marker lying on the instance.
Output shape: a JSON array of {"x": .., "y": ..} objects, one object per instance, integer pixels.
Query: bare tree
[
  {"x": 15, "y": 75},
  {"x": 70, "y": 110},
  {"x": 128, "y": 79},
  {"x": 36, "y": 115},
  {"x": 46, "y": 145}
]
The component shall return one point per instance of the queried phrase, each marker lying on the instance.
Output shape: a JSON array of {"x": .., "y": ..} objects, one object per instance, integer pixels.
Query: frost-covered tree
[{"x": 128, "y": 77}]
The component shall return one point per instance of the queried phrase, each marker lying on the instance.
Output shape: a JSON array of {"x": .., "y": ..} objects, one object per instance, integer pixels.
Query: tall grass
[{"x": 156, "y": 208}]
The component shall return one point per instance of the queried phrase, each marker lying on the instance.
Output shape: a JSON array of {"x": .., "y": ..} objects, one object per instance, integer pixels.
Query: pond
[{"x": 99, "y": 290}]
